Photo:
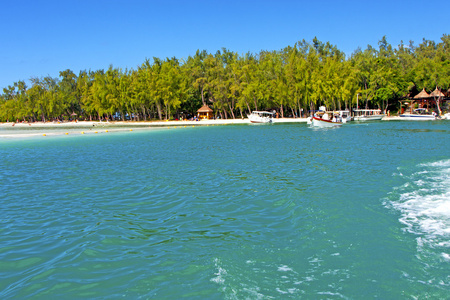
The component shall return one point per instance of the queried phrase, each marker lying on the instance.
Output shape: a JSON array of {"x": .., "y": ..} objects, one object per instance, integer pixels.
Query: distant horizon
[{"x": 44, "y": 38}]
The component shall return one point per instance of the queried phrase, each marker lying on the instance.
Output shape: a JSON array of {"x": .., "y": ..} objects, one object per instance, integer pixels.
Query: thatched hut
[
  {"x": 437, "y": 94},
  {"x": 424, "y": 100},
  {"x": 419, "y": 100},
  {"x": 205, "y": 113},
  {"x": 422, "y": 95}
]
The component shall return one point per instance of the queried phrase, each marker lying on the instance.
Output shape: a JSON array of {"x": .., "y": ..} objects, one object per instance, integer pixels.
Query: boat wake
[{"x": 424, "y": 203}]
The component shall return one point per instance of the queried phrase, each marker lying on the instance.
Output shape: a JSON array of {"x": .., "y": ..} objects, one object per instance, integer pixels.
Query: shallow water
[{"x": 228, "y": 212}]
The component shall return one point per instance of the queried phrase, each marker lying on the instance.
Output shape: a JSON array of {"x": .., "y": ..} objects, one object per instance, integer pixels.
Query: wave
[{"x": 424, "y": 204}]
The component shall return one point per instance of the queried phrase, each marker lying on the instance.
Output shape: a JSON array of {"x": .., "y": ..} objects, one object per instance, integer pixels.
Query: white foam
[
  {"x": 424, "y": 202},
  {"x": 220, "y": 273},
  {"x": 284, "y": 269}
]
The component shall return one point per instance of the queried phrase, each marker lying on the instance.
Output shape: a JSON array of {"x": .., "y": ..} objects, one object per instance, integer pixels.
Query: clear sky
[{"x": 40, "y": 38}]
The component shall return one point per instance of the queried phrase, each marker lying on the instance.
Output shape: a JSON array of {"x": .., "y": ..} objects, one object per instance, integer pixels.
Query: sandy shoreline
[
  {"x": 144, "y": 123},
  {"x": 154, "y": 123},
  {"x": 25, "y": 130},
  {"x": 22, "y": 130}
]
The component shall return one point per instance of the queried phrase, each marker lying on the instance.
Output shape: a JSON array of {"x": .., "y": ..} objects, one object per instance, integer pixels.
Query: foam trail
[{"x": 424, "y": 203}]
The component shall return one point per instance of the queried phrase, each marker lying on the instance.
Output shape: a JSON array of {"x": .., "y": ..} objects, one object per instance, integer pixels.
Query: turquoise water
[{"x": 228, "y": 212}]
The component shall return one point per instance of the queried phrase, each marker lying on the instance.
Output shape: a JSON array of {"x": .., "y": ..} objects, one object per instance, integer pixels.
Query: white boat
[
  {"x": 320, "y": 112},
  {"x": 323, "y": 120},
  {"x": 447, "y": 116},
  {"x": 345, "y": 115},
  {"x": 419, "y": 114},
  {"x": 260, "y": 117},
  {"x": 367, "y": 114}
]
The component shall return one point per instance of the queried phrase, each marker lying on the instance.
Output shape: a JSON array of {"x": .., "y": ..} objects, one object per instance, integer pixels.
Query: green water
[{"x": 228, "y": 212}]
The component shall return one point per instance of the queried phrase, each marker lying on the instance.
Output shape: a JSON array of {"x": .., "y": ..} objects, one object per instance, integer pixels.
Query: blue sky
[{"x": 41, "y": 38}]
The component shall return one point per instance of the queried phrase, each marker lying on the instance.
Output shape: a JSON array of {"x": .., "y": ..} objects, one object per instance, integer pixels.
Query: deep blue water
[{"x": 228, "y": 212}]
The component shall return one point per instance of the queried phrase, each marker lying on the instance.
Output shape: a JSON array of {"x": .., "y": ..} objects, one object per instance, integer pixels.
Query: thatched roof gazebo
[
  {"x": 437, "y": 93},
  {"x": 421, "y": 100},
  {"x": 425, "y": 100},
  {"x": 205, "y": 113},
  {"x": 423, "y": 94}
]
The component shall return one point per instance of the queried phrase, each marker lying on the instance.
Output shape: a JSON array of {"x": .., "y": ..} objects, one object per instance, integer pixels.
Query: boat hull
[
  {"x": 318, "y": 122},
  {"x": 260, "y": 122},
  {"x": 369, "y": 118},
  {"x": 412, "y": 117},
  {"x": 260, "y": 117}
]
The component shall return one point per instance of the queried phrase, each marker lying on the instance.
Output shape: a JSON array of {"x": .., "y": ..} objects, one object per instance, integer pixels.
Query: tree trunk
[
  {"x": 203, "y": 97},
  {"x": 438, "y": 107},
  {"x": 248, "y": 106},
  {"x": 231, "y": 110},
  {"x": 143, "y": 111},
  {"x": 43, "y": 115},
  {"x": 225, "y": 113},
  {"x": 256, "y": 103},
  {"x": 158, "y": 107}
]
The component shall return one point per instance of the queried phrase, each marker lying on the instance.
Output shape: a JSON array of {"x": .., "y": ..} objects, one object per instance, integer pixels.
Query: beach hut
[
  {"x": 437, "y": 94},
  {"x": 420, "y": 99},
  {"x": 422, "y": 95},
  {"x": 205, "y": 113},
  {"x": 423, "y": 99}
]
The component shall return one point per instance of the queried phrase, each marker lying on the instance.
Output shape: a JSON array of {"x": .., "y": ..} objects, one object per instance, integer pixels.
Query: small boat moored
[
  {"x": 368, "y": 114},
  {"x": 345, "y": 115},
  {"x": 260, "y": 117},
  {"x": 419, "y": 114}
]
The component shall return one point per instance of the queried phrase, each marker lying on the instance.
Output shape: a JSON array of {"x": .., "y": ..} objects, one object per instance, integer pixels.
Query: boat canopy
[
  {"x": 262, "y": 112},
  {"x": 367, "y": 110}
]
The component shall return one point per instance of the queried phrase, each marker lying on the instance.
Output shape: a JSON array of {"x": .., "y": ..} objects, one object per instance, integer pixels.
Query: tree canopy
[{"x": 294, "y": 79}]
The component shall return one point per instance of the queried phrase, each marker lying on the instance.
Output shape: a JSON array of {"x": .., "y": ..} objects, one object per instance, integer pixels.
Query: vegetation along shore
[{"x": 293, "y": 82}]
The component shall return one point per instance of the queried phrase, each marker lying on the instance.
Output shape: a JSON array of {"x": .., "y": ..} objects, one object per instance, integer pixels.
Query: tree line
[{"x": 291, "y": 81}]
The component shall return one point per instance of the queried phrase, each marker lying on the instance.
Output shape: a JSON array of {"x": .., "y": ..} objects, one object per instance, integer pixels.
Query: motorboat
[
  {"x": 319, "y": 112},
  {"x": 326, "y": 120},
  {"x": 345, "y": 115},
  {"x": 260, "y": 117},
  {"x": 419, "y": 114},
  {"x": 368, "y": 114}
]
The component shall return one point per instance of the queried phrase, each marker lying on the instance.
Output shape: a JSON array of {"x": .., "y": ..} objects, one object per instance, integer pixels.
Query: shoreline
[
  {"x": 143, "y": 123},
  {"x": 24, "y": 130},
  {"x": 12, "y": 130},
  {"x": 152, "y": 123}
]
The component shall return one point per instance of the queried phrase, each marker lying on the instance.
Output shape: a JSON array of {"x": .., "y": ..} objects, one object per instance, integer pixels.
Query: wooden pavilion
[
  {"x": 424, "y": 100},
  {"x": 205, "y": 113}
]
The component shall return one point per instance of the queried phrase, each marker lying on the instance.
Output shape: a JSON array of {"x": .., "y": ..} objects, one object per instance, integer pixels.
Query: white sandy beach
[
  {"x": 22, "y": 130},
  {"x": 145, "y": 123}
]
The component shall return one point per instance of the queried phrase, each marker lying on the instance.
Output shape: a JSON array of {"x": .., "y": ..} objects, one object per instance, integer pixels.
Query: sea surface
[{"x": 279, "y": 211}]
